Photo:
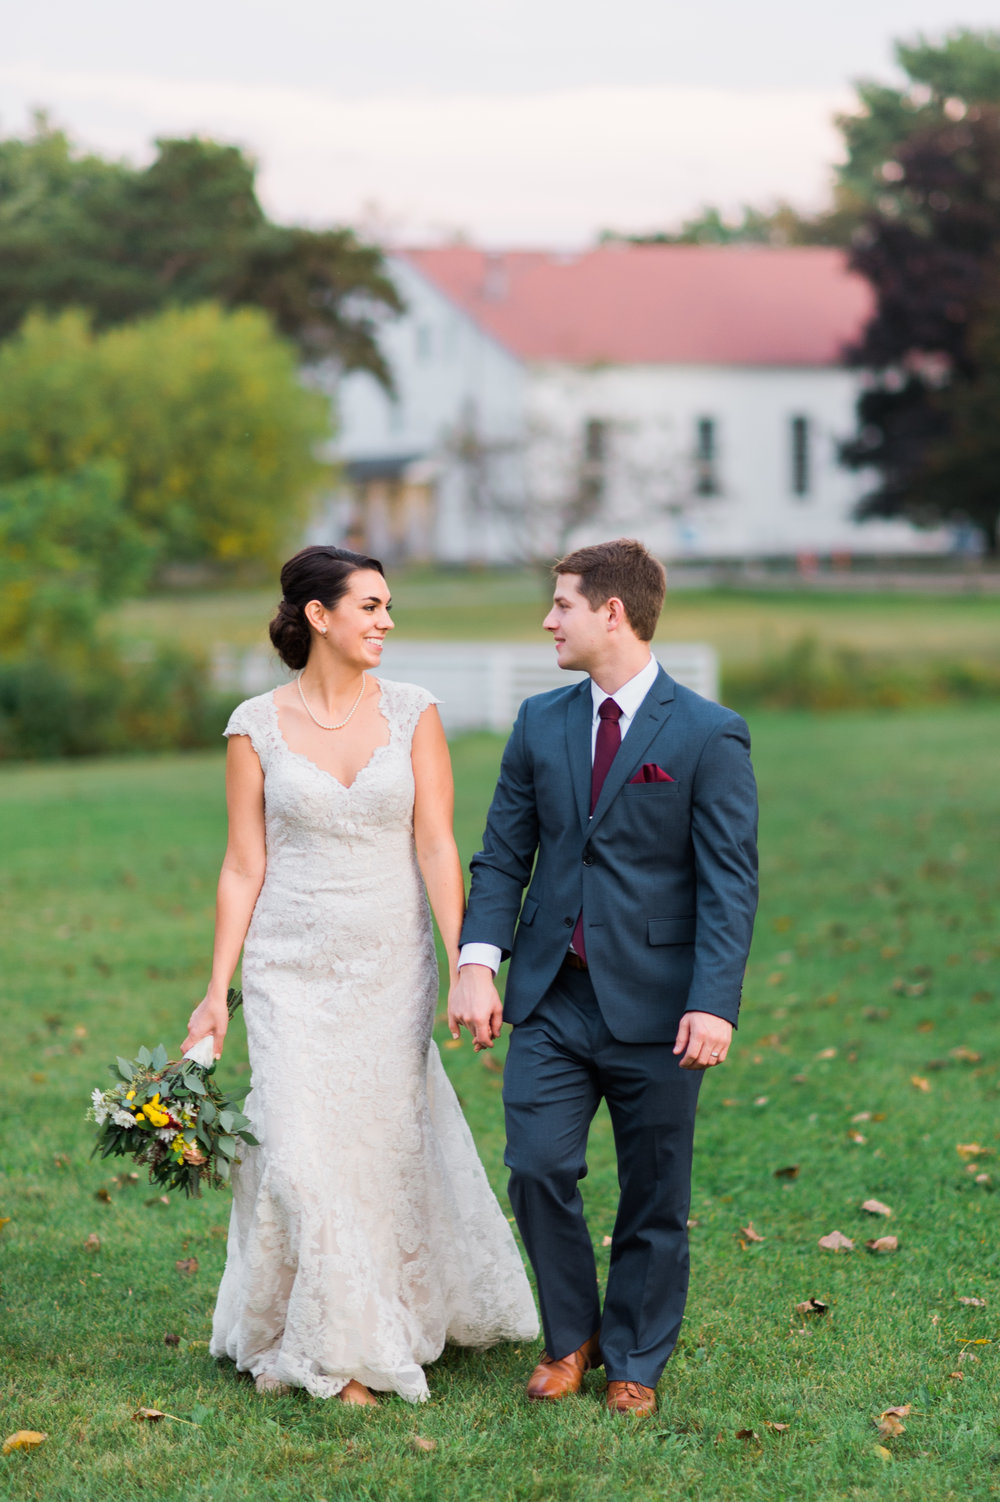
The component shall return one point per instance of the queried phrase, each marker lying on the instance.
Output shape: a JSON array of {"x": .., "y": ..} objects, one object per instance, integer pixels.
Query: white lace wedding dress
[{"x": 364, "y": 1233}]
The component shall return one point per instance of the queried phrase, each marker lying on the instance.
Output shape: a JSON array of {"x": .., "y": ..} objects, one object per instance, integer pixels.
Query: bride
[{"x": 364, "y": 1234}]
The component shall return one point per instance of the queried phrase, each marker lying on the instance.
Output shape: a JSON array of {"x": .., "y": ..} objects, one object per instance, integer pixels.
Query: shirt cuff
[{"x": 480, "y": 954}]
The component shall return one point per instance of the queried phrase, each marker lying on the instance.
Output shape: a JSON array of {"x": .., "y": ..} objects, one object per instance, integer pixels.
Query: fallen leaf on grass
[
  {"x": 123, "y": 1180},
  {"x": 898, "y": 1411},
  {"x": 811, "y": 1306},
  {"x": 22, "y": 1439},
  {"x": 919, "y": 1083},
  {"x": 966, "y": 1055},
  {"x": 857, "y": 1137},
  {"x": 956, "y": 1376},
  {"x": 883, "y": 1244},
  {"x": 171, "y": 1340},
  {"x": 161, "y": 1199},
  {"x": 827, "y": 1053},
  {"x": 61, "y": 1160},
  {"x": 747, "y": 1434},
  {"x": 876, "y": 1207},
  {"x": 971, "y": 1150},
  {"x": 453, "y": 1043},
  {"x": 776, "y": 1428},
  {"x": 835, "y": 1242},
  {"x": 420, "y": 1443},
  {"x": 883, "y": 1453},
  {"x": 4, "y": 1221},
  {"x": 983, "y": 1178},
  {"x": 153, "y": 1416},
  {"x": 749, "y": 1232},
  {"x": 889, "y": 1427},
  {"x": 974, "y": 1303},
  {"x": 791, "y": 1172},
  {"x": 104, "y": 1195},
  {"x": 187, "y": 1265},
  {"x": 93, "y": 1242}
]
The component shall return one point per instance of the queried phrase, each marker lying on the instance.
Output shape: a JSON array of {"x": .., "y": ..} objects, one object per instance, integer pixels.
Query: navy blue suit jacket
[{"x": 665, "y": 872}]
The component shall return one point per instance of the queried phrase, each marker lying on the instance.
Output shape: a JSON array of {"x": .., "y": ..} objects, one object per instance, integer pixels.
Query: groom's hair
[{"x": 620, "y": 570}]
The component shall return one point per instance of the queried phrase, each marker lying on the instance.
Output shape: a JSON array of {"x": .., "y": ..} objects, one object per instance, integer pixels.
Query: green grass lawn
[
  {"x": 742, "y": 626},
  {"x": 869, "y": 1052}
]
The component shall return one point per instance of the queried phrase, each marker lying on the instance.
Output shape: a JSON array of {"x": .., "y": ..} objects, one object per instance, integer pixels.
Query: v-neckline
[{"x": 345, "y": 787}]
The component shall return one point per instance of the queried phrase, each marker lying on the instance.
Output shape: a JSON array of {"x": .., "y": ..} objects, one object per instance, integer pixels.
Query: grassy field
[
  {"x": 868, "y": 1062},
  {"x": 742, "y": 626}
]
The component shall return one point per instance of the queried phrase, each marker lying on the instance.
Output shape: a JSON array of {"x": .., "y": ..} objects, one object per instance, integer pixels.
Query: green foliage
[
  {"x": 125, "y": 243},
  {"x": 67, "y": 549},
  {"x": 877, "y": 939},
  {"x": 201, "y": 410},
  {"x": 50, "y": 707},
  {"x": 822, "y": 677},
  {"x": 944, "y": 79}
]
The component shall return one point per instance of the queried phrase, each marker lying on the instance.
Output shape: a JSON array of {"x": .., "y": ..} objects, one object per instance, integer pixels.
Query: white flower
[
  {"x": 122, "y": 1118},
  {"x": 99, "y": 1107},
  {"x": 166, "y": 1134}
]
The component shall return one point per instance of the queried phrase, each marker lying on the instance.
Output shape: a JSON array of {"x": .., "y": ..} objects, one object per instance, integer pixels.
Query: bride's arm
[
  {"x": 433, "y": 810},
  {"x": 240, "y": 881}
]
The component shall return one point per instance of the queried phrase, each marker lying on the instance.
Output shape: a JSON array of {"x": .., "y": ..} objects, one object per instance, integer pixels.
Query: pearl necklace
[{"x": 343, "y": 722}]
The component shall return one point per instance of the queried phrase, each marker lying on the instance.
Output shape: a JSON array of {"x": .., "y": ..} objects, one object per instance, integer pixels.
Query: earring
[{"x": 322, "y": 630}]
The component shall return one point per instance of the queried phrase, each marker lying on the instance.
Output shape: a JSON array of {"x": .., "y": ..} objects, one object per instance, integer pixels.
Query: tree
[
  {"x": 67, "y": 549},
  {"x": 945, "y": 79},
  {"x": 76, "y": 231},
  {"x": 931, "y": 250},
  {"x": 202, "y": 411}
]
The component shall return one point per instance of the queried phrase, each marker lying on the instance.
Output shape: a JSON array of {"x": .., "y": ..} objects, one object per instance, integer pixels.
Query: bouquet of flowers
[{"x": 172, "y": 1116}]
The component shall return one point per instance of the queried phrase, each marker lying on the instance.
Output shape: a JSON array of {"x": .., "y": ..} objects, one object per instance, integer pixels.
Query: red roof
[{"x": 659, "y": 304}]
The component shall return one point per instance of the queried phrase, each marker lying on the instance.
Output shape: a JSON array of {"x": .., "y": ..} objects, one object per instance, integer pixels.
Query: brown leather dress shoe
[
  {"x": 557, "y": 1379},
  {"x": 630, "y": 1397}
]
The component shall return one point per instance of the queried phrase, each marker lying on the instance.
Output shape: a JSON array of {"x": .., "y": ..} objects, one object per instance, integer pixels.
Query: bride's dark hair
[{"x": 316, "y": 573}]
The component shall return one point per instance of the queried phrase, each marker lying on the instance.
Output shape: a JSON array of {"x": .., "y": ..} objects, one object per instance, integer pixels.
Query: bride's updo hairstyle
[{"x": 317, "y": 573}]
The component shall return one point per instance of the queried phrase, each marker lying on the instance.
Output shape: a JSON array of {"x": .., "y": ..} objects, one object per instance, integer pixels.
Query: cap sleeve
[{"x": 248, "y": 719}]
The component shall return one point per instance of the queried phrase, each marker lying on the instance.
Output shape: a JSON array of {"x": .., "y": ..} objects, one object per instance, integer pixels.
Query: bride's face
[{"x": 360, "y": 620}]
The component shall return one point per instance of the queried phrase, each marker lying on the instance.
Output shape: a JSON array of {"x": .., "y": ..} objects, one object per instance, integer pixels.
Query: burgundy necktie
[{"x": 609, "y": 738}]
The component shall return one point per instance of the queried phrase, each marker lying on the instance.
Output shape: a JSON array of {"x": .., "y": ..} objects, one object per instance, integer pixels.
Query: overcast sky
[{"x": 532, "y": 122}]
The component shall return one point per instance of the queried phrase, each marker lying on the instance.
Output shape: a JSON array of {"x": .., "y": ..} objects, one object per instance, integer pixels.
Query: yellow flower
[
  {"x": 139, "y": 1116},
  {"x": 130, "y": 1095}
]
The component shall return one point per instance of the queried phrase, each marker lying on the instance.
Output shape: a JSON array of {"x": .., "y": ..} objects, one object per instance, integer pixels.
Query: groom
[{"x": 626, "y": 805}]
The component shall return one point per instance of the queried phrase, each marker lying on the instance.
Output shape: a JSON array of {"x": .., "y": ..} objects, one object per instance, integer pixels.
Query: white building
[{"x": 693, "y": 395}]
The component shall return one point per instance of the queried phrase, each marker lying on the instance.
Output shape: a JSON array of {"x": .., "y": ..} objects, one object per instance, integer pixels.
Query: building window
[
  {"x": 592, "y": 469},
  {"x": 801, "y": 479},
  {"x": 706, "y": 455}
]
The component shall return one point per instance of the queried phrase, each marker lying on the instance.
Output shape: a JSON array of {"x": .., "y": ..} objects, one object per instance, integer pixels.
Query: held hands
[
  {"x": 473, "y": 1003},
  {"x": 703, "y": 1039},
  {"x": 211, "y": 1016}
]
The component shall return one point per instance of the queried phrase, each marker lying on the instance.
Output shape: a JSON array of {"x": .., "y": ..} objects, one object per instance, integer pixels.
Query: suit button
[
  {"x": 568, "y": 922},
  {"x": 588, "y": 859}
]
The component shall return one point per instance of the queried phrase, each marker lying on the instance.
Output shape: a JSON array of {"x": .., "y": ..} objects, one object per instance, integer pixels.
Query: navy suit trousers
[{"x": 561, "y": 1061}]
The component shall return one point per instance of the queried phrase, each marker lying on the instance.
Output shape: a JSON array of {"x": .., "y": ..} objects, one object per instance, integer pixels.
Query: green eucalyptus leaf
[
  {"x": 144, "y": 1057},
  {"x": 160, "y": 1058},
  {"x": 125, "y": 1069},
  {"x": 226, "y": 1146}
]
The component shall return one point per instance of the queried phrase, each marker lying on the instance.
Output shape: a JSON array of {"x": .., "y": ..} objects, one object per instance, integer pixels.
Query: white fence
[{"x": 480, "y": 685}]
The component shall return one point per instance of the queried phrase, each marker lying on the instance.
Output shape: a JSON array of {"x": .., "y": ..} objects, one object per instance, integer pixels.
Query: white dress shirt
[{"x": 628, "y": 698}]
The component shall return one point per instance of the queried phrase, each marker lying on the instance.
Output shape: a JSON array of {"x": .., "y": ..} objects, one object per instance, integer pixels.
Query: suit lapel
[
  {"x": 652, "y": 714},
  {"x": 579, "y": 731}
]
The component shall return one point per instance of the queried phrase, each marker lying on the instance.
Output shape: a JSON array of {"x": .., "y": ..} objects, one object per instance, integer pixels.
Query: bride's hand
[{"x": 211, "y": 1016}]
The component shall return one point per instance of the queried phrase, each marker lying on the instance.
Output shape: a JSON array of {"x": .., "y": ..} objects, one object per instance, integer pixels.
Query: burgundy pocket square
[{"x": 650, "y": 772}]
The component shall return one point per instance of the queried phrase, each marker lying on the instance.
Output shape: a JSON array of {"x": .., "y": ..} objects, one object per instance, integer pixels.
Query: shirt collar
[{"x": 631, "y": 694}]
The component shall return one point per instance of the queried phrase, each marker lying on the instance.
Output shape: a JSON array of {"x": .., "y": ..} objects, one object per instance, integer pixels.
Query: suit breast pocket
[{"x": 650, "y": 790}]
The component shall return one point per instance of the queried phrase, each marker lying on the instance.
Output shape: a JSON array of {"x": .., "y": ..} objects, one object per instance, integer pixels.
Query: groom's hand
[
  {"x": 474, "y": 1003},
  {"x": 703, "y": 1040}
]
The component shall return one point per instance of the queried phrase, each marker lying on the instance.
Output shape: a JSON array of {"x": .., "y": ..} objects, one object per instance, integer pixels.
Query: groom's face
[{"x": 579, "y": 633}]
